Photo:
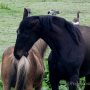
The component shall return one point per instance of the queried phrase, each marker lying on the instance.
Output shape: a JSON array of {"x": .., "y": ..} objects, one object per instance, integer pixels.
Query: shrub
[{"x": 4, "y": 6}]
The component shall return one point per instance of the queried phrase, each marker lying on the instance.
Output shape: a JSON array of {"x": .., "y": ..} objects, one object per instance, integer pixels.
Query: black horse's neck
[{"x": 57, "y": 31}]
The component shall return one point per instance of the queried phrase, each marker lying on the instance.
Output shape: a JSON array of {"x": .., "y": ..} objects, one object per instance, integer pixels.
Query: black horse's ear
[{"x": 26, "y": 13}]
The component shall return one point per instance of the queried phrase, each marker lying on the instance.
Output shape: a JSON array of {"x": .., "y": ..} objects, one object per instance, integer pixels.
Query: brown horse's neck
[{"x": 41, "y": 45}]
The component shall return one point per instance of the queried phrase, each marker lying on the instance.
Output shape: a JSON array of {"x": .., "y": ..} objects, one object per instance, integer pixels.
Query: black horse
[{"x": 69, "y": 58}]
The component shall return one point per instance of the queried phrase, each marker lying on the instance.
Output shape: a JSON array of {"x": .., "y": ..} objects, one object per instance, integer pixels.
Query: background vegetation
[{"x": 11, "y": 15}]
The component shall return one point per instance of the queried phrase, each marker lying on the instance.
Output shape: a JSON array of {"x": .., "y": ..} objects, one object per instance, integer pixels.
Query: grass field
[{"x": 11, "y": 15}]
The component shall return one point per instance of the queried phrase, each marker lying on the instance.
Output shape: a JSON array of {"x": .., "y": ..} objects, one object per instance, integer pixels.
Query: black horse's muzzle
[{"x": 19, "y": 54}]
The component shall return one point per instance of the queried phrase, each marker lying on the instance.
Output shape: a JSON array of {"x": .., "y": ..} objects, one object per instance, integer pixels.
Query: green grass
[{"x": 11, "y": 15}]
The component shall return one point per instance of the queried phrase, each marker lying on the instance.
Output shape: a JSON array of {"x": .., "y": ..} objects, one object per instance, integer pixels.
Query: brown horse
[{"x": 28, "y": 72}]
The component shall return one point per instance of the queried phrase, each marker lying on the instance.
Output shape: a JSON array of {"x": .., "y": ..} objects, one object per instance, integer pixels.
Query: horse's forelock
[{"x": 24, "y": 62}]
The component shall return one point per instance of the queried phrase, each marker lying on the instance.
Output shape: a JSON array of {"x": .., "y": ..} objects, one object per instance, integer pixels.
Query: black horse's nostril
[
  {"x": 26, "y": 54},
  {"x": 17, "y": 56}
]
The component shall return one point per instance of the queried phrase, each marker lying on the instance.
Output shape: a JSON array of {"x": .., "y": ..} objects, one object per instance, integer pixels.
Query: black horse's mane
[
  {"x": 47, "y": 20},
  {"x": 74, "y": 32}
]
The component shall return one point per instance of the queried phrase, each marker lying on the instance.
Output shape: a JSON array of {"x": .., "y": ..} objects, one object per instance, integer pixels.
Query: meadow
[{"x": 11, "y": 15}]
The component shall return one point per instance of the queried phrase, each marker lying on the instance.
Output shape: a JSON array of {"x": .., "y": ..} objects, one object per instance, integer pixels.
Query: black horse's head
[{"x": 27, "y": 34}]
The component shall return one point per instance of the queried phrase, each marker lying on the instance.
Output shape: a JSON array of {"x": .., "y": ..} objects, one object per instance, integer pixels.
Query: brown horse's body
[{"x": 32, "y": 75}]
